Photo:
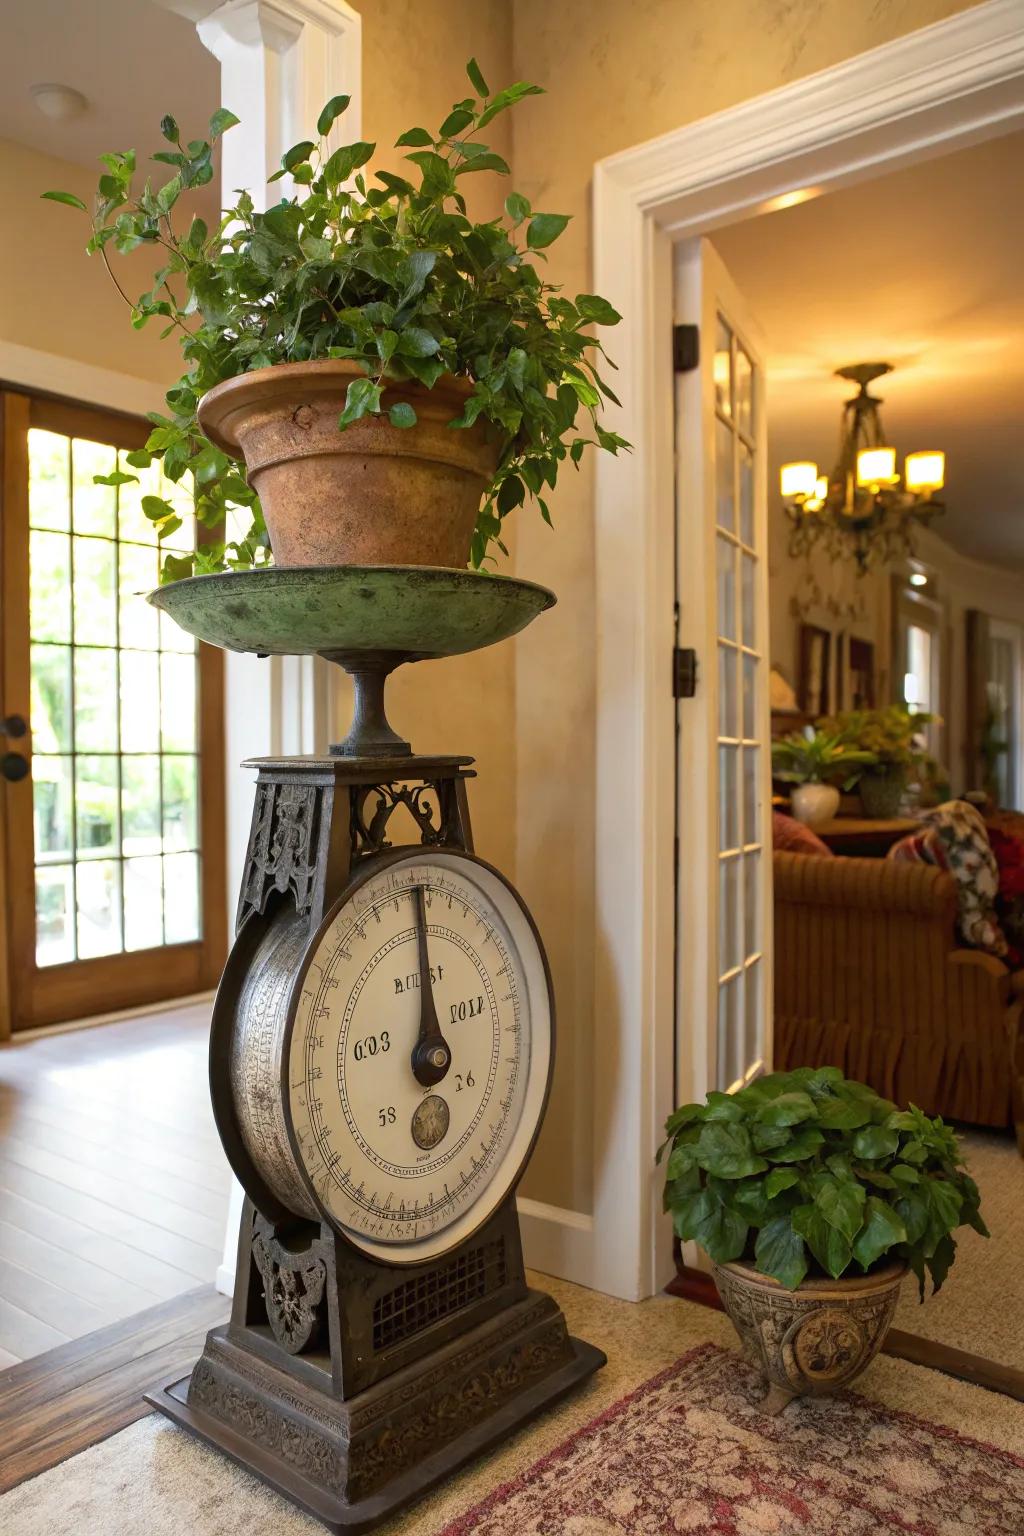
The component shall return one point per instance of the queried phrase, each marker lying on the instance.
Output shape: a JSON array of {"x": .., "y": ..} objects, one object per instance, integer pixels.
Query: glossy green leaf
[
  {"x": 780, "y": 1252},
  {"x": 330, "y": 114},
  {"x": 543, "y": 228},
  {"x": 401, "y": 414},
  {"x": 726, "y": 1151},
  {"x": 881, "y": 1230},
  {"x": 64, "y": 197}
]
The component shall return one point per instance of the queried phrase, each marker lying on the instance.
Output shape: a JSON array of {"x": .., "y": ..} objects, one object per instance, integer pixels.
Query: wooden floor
[
  {"x": 59, "y": 1403},
  {"x": 113, "y": 1184}
]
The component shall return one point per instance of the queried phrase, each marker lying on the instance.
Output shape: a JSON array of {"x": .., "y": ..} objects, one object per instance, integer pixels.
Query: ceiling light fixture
[
  {"x": 860, "y": 511},
  {"x": 58, "y": 102}
]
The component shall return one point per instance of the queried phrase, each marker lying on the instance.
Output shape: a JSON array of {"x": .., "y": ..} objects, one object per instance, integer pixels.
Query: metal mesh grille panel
[{"x": 415, "y": 1304}]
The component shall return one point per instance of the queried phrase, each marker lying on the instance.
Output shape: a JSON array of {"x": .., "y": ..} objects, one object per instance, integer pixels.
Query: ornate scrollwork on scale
[
  {"x": 429, "y": 805},
  {"x": 293, "y": 1289},
  {"x": 282, "y": 846}
]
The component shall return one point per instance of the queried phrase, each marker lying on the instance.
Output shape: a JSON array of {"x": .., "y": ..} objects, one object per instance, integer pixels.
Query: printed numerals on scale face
[{"x": 420, "y": 1053}]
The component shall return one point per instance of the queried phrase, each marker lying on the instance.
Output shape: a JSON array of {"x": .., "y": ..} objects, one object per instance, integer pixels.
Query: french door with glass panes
[
  {"x": 724, "y": 997},
  {"x": 113, "y": 746}
]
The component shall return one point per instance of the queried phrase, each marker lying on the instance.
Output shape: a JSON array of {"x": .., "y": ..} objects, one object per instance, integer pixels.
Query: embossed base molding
[
  {"x": 353, "y": 1463},
  {"x": 813, "y": 1340}
]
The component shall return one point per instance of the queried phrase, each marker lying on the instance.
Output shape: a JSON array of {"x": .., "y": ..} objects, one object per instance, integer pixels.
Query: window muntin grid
[
  {"x": 741, "y": 680},
  {"x": 114, "y": 691}
]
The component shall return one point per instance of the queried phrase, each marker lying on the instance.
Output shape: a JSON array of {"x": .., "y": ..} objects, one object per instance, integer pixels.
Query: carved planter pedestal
[{"x": 814, "y": 1340}]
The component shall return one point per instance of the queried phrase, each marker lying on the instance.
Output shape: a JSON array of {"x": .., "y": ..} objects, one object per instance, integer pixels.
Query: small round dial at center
[{"x": 430, "y": 1122}]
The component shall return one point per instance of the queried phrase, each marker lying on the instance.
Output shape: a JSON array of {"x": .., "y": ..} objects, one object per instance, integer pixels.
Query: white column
[{"x": 281, "y": 60}]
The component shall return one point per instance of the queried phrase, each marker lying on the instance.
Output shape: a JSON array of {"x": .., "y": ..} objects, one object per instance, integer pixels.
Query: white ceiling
[
  {"x": 133, "y": 61},
  {"x": 923, "y": 269}
]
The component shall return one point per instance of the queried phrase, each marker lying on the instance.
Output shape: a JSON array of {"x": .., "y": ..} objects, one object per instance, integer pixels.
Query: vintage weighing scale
[{"x": 381, "y": 1054}]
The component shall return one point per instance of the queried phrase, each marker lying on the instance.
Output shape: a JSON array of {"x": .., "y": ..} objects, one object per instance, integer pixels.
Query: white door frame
[{"x": 930, "y": 93}]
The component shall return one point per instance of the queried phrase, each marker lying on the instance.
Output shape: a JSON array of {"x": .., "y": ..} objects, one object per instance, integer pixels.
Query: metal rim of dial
[{"x": 537, "y": 979}]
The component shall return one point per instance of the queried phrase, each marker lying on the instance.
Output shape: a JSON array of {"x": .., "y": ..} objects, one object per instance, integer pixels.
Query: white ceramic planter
[{"x": 814, "y": 804}]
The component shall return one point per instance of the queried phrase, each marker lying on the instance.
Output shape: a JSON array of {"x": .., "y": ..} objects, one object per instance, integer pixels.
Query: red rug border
[{"x": 465, "y": 1523}]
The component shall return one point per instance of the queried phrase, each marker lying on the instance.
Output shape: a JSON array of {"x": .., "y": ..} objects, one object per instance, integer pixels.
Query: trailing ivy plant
[
  {"x": 390, "y": 273},
  {"x": 807, "y": 1169}
]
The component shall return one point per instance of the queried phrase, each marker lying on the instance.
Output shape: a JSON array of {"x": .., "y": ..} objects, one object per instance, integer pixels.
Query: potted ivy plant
[
  {"x": 892, "y": 737},
  {"x": 812, "y": 761},
  {"x": 396, "y": 378},
  {"x": 813, "y": 1196}
]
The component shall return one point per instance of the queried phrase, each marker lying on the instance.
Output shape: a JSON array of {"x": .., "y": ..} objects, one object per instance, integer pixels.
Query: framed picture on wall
[
  {"x": 859, "y": 686},
  {"x": 815, "y": 651}
]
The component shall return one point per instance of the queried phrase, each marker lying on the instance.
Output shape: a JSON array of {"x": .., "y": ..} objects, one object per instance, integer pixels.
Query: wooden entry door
[{"x": 112, "y": 755}]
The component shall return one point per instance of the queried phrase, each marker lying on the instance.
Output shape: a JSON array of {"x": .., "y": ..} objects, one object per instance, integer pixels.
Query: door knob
[
  {"x": 13, "y": 766},
  {"x": 14, "y": 725}
]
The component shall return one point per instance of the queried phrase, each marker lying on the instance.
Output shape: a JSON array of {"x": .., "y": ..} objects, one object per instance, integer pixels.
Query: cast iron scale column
[{"x": 382, "y": 1332}]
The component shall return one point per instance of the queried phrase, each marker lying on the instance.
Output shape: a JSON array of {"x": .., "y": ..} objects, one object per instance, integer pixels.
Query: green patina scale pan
[{"x": 369, "y": 619}]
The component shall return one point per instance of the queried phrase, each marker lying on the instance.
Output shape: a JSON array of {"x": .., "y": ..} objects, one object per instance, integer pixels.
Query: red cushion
[{"x": 792, "y": 836}]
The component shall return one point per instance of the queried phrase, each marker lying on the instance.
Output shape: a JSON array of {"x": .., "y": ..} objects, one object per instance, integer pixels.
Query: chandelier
[{"x": 861, "y": 511}]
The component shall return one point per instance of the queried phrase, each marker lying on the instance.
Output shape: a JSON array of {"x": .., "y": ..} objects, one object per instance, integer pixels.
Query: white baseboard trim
[{"x": 558, "y": 1242}]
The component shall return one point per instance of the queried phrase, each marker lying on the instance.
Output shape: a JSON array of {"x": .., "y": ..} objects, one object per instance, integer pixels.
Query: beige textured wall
[
  {"x": 414, "y": 55},
  {"x": 616, "y": 75},
  {"x": 52, "y": 296}
]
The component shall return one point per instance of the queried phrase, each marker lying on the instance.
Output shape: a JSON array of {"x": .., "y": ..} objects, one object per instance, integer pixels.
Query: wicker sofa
[{"x": 869, "y": 978}]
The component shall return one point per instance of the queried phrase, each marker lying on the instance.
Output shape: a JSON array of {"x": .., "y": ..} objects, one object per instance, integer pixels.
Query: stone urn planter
[
  {"x": 372, "y": 494},
  {"x": 881, "y": 794},
  {"x": 814, "y": 804},
  {"x": 816, "y": 1339}
]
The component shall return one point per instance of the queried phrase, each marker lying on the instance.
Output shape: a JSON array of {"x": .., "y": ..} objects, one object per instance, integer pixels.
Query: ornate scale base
[{"x": 349, "y": 1383}]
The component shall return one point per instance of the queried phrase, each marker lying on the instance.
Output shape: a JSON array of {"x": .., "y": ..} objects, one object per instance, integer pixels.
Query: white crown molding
[{"x": 45, "y": 371}]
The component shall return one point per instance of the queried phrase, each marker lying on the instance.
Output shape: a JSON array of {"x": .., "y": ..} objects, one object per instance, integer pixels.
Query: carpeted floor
[
  {"x": 981, "y": 1306},
  {"x": 155, "y": 1480}
]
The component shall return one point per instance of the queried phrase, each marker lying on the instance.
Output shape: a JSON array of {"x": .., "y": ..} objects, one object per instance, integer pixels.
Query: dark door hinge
[
  {"x": 685, "y": 348},
  {"x": 684, "y": 672}
]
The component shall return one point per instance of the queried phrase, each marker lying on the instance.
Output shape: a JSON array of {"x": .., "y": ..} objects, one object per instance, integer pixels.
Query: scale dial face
[{"x": 419, "y": 1055}]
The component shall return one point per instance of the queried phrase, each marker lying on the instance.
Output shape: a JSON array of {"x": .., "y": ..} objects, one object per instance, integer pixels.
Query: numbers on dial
[
  {"x": 469, "y": 1008},
  {"x": 386, "y": 1116},
  {"x": 371, "y": 1045},
  {"x": 464, "y": 1081}
]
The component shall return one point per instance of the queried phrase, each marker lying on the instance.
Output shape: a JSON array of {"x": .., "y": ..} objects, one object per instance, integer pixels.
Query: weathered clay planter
[
  {"x": 813, "y": 1340},
  {"x": 371, "y": 495}
]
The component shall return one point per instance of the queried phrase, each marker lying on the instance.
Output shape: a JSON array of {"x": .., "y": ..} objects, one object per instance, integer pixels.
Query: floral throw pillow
[{"x": 953, "y": 837}]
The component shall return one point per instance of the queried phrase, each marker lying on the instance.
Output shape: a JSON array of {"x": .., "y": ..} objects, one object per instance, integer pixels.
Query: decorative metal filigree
[
  {"x": 293, "y": 1288},
  {"x": 282, "y": 846},
  {"x": 430, "y": 806}
]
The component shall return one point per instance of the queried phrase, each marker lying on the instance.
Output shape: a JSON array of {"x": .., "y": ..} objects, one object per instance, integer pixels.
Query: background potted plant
[
  {"x": 814, "y": 762},
  {"x": 813, "y": 1196},
  {"x": 893, "y": 738},
  {"x": 396, "y": 377}
]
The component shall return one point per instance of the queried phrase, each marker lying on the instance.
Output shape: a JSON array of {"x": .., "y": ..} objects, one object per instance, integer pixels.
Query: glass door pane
[{"x": 113, "y": 715}]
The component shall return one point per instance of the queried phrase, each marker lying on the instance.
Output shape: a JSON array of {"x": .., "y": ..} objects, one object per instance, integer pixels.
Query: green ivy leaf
[
  {"x": 722, "y": 1106},
  {"x": 416, "y": 342},
  {"x": 65, "y": 197},
  {"x": 798, "y": 1147},
  {"x": 787, "y": 1109},
  {"x": 543, "y": 228},
  {"x": 726, "y": 1151},
  {"x": 517, "y": 207},
  {"x": 841, "y": 1203},
  {"x": 362, "y": 398},
  {"x": 221, "y": 121},
  {"x": 881, "y": 1230},
  {"x": 779, "y": 1252},
  {"x": 597, "y": 310},
  {"x": 780, "y": 1179},
  {"x": 414, "y": 138},
  {"x": 476, "y": 79},
  {"x": 702, "y": 1218},
  {"x": 508, "y": 98},
  {"x": 875, "y": 1141},
  {"x": 402, "y": 414},
  {"x": 829, "y": 1246},
  {"x": 330, "y": 114}
]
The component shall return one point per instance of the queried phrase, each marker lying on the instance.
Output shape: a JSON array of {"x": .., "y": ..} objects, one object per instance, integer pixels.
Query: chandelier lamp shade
[{"x": 862, "y": 511}]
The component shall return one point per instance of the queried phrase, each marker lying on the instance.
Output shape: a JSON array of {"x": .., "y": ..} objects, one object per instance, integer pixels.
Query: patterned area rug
[{"x": 689, "y": 1452}]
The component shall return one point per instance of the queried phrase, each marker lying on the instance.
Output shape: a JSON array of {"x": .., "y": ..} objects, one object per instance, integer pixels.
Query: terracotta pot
[
  {"x": 813, "y": 1340},
  {"x": 814, "y": 804},
  {"x": 373, "y": 494}
]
